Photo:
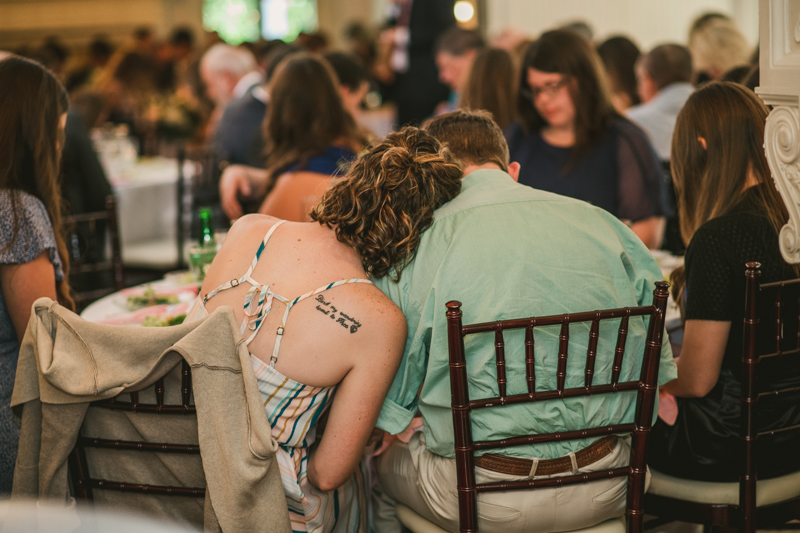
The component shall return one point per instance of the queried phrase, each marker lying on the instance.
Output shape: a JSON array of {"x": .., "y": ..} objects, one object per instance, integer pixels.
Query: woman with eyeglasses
[{"x": 569, "y": 139}]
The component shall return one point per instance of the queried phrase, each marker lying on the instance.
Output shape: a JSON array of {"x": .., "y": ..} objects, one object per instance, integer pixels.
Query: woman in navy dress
[{"x": 569, "y": 139}]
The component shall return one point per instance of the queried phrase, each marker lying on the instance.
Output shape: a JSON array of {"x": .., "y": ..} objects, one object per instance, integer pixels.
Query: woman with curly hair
[
  {"x": 345, "y": 335},
  {"x": 33, "y": 255}
]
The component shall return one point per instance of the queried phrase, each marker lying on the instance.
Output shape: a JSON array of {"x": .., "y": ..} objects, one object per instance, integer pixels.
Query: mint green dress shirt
[{"x": 509, "y": 251}]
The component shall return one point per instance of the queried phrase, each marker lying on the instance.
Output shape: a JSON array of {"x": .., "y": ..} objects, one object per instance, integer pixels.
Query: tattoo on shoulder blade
[{"x": 339, "y": 317}]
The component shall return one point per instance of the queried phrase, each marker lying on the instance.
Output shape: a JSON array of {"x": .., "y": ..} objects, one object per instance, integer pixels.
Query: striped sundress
[{"x": 293, "y": 410}]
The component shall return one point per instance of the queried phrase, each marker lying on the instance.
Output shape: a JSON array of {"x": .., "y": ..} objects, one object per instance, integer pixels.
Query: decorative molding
[
  {"x": 779, "y": 25},
  {"x": 782, "y": 144}
]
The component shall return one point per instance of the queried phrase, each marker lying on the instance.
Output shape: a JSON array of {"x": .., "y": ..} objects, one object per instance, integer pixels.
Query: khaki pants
[{"x": 426, "y": 483}]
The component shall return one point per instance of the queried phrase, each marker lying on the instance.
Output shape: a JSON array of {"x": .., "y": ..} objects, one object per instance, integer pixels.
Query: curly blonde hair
[{"x": 387, "y": 199}]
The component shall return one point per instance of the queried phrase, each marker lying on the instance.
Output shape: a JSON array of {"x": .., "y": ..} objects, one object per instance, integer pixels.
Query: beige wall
[
  {"x": 335, "y": 15},
  {"x": 647, "y": 22},
  {"x": 76, "y": 21}
]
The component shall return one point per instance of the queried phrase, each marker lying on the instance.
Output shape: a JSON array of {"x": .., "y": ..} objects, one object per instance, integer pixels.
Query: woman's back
[
  {"x": 322, "y": 333},
  {"x": 313, "y": 325}
]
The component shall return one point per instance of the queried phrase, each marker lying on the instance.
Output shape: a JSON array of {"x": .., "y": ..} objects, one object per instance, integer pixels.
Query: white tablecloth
[{"x": 147, "y": 210}]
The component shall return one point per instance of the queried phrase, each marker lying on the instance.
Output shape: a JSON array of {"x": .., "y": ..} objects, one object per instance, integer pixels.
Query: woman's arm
[
  {"x": 704, "y": 343},
  {"x": 25, "y": 283},
  {"x": 240, "y": 181},
  {"x": 358, "y": 401}
]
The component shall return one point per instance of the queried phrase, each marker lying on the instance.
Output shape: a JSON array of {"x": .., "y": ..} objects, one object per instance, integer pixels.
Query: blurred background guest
[
  {"x": 455, "y": 51},
  {"x": 228, "y": 72},
  {"x": 352, "y": 78},
  {"x": 619, "y": 55},
  {"x": 664, "y": 83},
  {"x": 406, "y": 67},
  {"x": 34, "y": 262},
  {"x": 492, "y": 85},
  {"x": 570, "y": 140},
  {"x": 310, "y": 137},
  {"x": 100, "y": 51},
  {"x": 717, "y": 46},
  {"x": 731, "y": 213},
  {"x": 238, "y": 139}
]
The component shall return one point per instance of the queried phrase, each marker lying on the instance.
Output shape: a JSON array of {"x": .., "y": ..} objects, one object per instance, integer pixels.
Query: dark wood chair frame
[
  {"x": 112, "y": 264},
  {"x": 646, "y": 386},
  {"x": 78, "y": 466},
  {"x": 745, "y": 516}
]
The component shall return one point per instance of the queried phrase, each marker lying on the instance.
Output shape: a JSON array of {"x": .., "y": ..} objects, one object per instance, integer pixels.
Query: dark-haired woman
[
  {"x": 569, "y": 139},
  {"x": 310, "y": 335},
  {"x": 730, "y": 214},
  {"x": 33, "y": 259},
  {"x": 310, "y": 138}
]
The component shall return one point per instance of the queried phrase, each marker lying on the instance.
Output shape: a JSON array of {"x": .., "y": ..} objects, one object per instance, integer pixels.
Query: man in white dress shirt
[{"x": 663, "y": 85}]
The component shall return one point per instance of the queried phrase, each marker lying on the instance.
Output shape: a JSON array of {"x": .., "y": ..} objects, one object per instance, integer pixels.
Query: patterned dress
[
  {"x": 293, "y": 410},
  {"x": 34, "y": 235}
]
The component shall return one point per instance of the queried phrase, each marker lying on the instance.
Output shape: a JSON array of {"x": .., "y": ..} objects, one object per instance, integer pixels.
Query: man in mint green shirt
[{"x": 506, "y": 251}]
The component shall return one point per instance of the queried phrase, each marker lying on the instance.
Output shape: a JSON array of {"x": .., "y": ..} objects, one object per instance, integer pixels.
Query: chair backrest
[
  {"x": 111, "y": 456},
  {"x": 750, "y": 394},
  {"x": 93, "y": 274},
  {"x": 646, "y": 386}
]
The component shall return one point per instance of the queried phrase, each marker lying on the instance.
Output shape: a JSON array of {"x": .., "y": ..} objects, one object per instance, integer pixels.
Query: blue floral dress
[{"x": 34, "y": 235}]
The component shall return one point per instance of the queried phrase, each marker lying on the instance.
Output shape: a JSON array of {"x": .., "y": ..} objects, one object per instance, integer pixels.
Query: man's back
[{"x": 510, "y": 251}]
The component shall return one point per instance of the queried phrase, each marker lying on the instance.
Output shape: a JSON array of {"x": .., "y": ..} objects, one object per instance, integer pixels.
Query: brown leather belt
[{"x": 517, "y": 466}]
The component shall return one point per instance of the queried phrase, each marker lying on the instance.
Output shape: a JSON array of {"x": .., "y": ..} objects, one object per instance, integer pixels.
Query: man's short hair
[
  {"x": 226, "y": 58},
  {"x": 458, "y": 41},
  {"x": 668, "y": 63},
  {"x": 472, "y": 137}
]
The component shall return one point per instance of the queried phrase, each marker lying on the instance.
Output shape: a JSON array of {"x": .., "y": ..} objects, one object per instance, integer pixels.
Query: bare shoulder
[
  {"x": 245, "y": 226},
  {"x": 382, "y": 322}
]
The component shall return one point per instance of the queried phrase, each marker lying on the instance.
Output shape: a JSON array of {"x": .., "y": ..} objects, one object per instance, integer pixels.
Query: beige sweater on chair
[{"x": 66, "y": 362}]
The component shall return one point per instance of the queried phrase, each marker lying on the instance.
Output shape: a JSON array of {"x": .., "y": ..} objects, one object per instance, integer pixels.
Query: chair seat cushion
[
  {"x": 415, "y": 522},
  {"x": 768, "y": 491},
  {"x": 418, "y": 524}
]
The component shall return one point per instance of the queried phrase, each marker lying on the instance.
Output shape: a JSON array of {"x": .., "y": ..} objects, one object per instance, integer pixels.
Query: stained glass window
[
  {"x": 285, "y": 19},
  {"x": 236, "y": 21}
]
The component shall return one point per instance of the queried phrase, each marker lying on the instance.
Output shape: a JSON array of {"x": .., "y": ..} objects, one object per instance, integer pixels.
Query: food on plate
[
  {"x": 159, "y": 322},
  {"x": 149, "y": 298}
]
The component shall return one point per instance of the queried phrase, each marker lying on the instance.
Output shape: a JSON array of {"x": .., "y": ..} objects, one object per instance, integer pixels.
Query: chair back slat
[
  {"x": 79, "y": 469},
  {"x": 591, "y": 352},
  {"x": 159, "y": 390},
  {"x": 465, "y": 471},
  {"x": 563, "y": 353},
  {"x": 553, "y": 394},
  {"x": 530, "y": 361},
  {"x": 559, "y": 436},
  {"x": 747, "y": 478},
  {"x": 646, "y": 387},
  {"x": 619, "y": 352},
  {"x": 645, "y": 406},
  {"x": 86, "y": 262},
  {"x": 778, "y": 323},
  {"x": 186, "y": 384},
  {"x": 559, "y": 481},
  {"x": 500, "y": 360}
]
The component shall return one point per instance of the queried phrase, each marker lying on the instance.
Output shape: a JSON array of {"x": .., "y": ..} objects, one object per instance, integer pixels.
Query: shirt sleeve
[
  {"x": 709, "y": 277},
  {"x": 34, "y": 233},
  {"x": 642, "y": 185},
  {"x": 402, "y": 400}
]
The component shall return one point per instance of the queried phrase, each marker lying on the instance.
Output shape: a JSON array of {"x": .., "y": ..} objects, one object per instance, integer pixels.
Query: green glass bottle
[
  {"x": 207, "y": 229},
  {"x": 200, "y": 257}
]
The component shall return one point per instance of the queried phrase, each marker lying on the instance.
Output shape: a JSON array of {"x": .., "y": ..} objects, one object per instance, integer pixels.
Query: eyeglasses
[{"x": 549, "y": 89}]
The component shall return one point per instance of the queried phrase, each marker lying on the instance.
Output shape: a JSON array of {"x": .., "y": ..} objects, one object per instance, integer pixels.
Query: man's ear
[{"x": 513, "y": 170}]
